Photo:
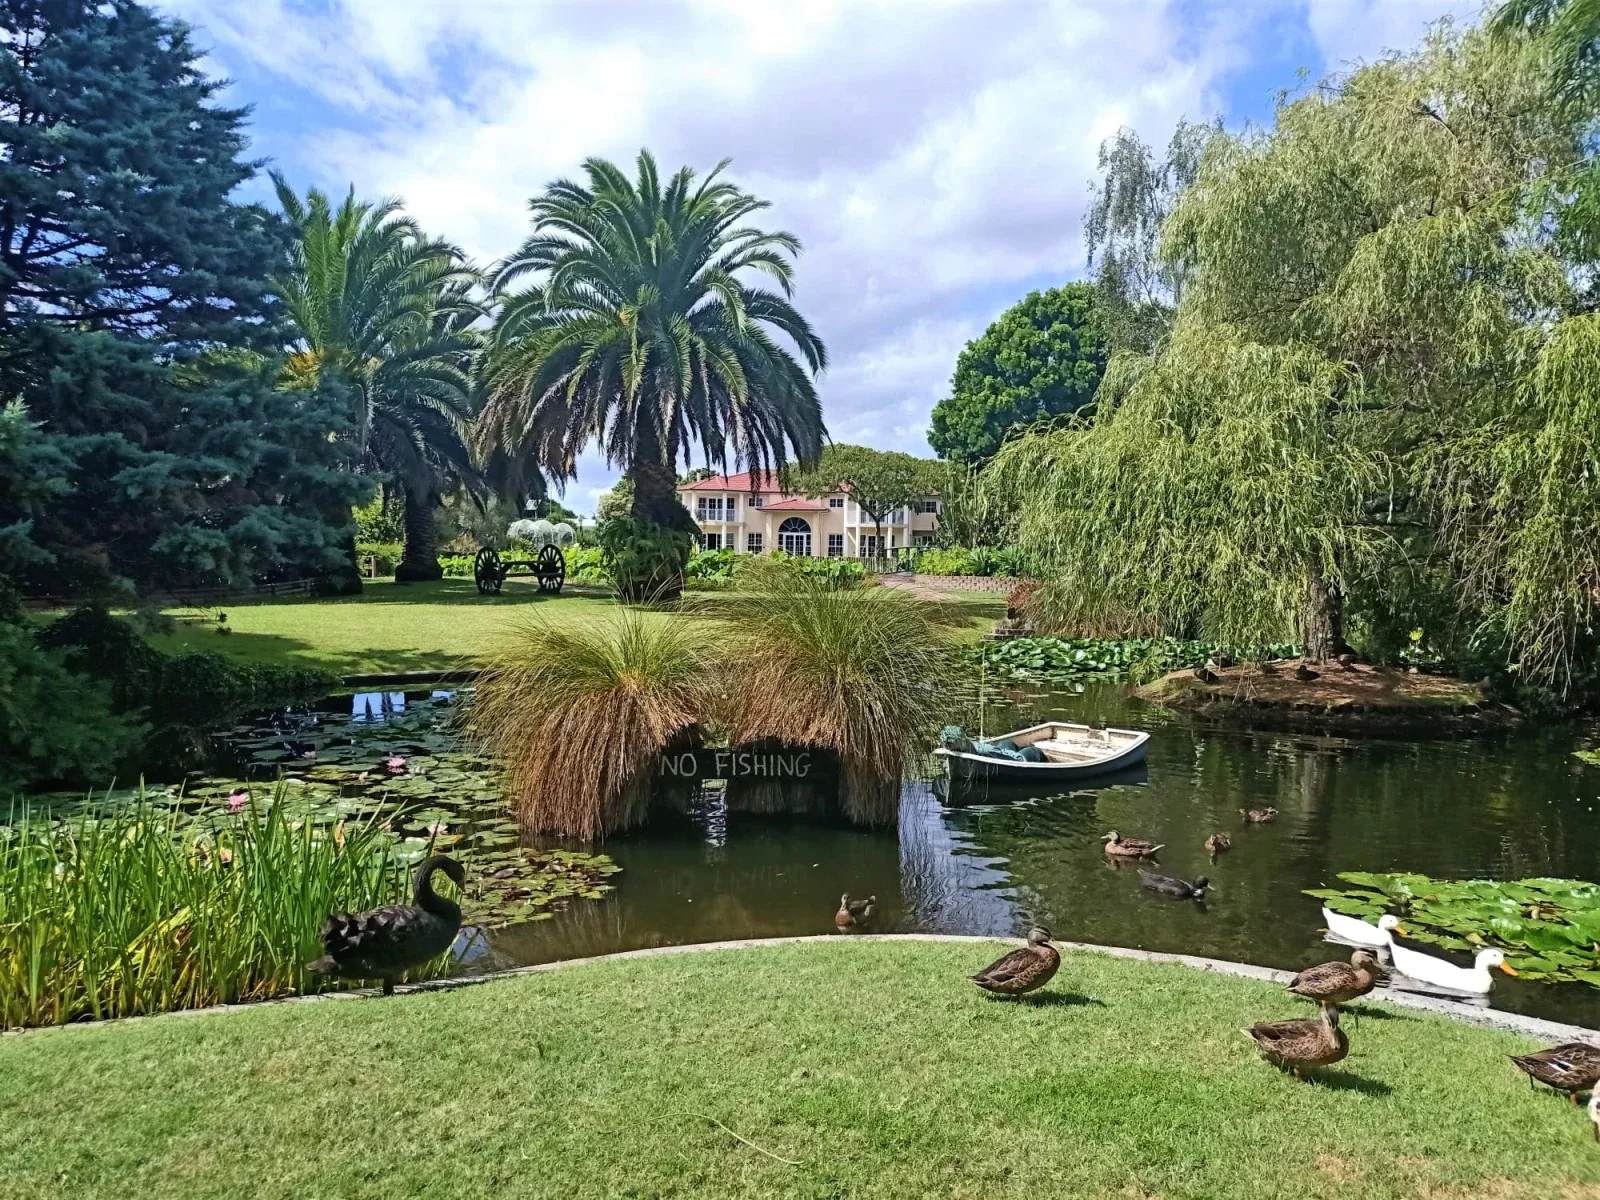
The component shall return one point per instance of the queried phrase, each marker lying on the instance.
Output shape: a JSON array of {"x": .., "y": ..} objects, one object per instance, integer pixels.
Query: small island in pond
[{"x": 1358, "y": 699}]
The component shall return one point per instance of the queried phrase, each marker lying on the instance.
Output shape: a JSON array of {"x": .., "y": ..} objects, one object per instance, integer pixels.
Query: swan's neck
[{"x": 430, "y": 901}]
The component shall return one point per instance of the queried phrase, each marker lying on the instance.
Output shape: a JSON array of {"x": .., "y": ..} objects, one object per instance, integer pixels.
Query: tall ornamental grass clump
[
  {"x": 144, "y": 909},
  {"x": 857, "y": 672},
  {"x": 580, "y": 715}
]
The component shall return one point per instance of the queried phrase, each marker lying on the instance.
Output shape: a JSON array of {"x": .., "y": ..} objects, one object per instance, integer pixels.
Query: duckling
[
  {"x": 1337, "y": 982},
  {"x": 1217, "y": 843},
  {"x": 853, "y": 912},
  {"x": 1024, "y": 970},
  {"x": 1297, "y": 1045},
  {"x": 1205, "y": 674},
  {"x": 1257, "y": 816},
  {"x": 1123, "y": 847},
  {"x": 1169, "y": 886},
  {"x": 1571, "y": 1067},
  {"x": 1305, "y": 674}
]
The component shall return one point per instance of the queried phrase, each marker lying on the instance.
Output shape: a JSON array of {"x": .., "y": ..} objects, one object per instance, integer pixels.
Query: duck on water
[{"x": 384, "y": 943}]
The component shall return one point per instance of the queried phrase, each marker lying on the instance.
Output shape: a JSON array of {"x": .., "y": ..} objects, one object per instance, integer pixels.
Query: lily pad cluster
[
  {"x": 396, "y": 761},
  {"x": 1549, "y": 928},
  {"x": 1101, "y": 660}
]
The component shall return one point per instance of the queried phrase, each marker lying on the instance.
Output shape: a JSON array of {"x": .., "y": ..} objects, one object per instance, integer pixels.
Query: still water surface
[{"x": 1504, "y": 807}]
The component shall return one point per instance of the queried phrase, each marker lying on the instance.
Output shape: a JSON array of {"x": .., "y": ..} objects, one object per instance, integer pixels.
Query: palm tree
[
  {"x": 388, "y": 312},
  {"x": 636, "y": 329}
]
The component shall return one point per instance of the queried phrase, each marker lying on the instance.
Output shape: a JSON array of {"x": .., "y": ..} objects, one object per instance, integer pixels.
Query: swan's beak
[{"x": 1508, "y": 969}]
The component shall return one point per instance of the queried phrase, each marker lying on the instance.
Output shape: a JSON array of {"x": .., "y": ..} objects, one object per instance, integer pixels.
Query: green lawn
[
  {"x": 425, "y": 626},
  {"x": 873, "y": 1067}
]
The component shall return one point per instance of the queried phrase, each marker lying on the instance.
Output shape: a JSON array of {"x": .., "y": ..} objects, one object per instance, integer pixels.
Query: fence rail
[{"x": 192, "y": 596}]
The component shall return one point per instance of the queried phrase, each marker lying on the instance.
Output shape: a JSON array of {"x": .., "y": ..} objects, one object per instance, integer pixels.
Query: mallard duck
[
  {"x": 1571, "y": 1067},
  {"x": 1130, "y": 847},
  {"x": 383, "y": 943},
  {"x": 1305, "y": 674},
  {"x": 1347, "y": 661},
  {"x": 1217, "y": 843},
  {"x": 1298, "y": 1045},
  {"x": 1337, "y": 982},
  {"x": 1205, "y": 674},
  {"x": 1169, "y": 886},
  {"x": 1257, "y": 816},
  {"x": 1024, "y": 970},
  {"x": 853, "y": 912}
]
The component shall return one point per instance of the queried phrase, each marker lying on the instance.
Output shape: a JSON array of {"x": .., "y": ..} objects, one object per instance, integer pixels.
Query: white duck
[
  {"x": 1436, "y": 972},
  {"x": 1358, "y": 932}
]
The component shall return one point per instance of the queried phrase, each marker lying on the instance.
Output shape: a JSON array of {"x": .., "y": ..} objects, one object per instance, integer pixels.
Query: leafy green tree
[
  {"x": 616, "y": 502},
  {"x": 388, "y": 312},
  {"x": 1043, "y": 358},
  {"x": 1378, "y": 345},
  {"x": 116, "y": 172},
  {"x": 879, "y": 481},
  {"x": 1138, "y": 288},
  {"x": 643, "y": 331}
]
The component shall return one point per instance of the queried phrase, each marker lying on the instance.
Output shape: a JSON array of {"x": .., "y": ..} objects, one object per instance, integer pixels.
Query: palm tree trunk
[
  {"x": 420, "y": 562},
  {"x": 1323, "y": 619},
  {"x": 655, "y": 487}
]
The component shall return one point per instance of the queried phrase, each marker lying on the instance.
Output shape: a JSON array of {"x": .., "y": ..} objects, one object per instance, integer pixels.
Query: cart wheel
[
  {"x": 487, "y": 571},
  {"x": 552, "y": 569}
]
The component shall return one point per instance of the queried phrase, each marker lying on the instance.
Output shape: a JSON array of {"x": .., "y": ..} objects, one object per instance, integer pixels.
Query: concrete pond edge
[{"x": 1554, "y": 1031}]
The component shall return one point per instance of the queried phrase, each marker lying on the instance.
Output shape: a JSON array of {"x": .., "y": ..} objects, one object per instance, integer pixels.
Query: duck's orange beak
[
  {"x": 1401, "y": 930},
  {"x": 1508, "y": 969}
]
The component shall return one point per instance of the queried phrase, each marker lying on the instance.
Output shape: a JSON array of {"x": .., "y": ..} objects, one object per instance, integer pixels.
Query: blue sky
[{"x": 934, "y": 157}]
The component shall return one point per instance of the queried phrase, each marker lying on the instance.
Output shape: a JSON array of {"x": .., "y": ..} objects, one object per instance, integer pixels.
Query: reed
[
  {"x": 855, "y": 671},
  {"x": 147, "y": 908},
  {"x": 580, "y": 715}
]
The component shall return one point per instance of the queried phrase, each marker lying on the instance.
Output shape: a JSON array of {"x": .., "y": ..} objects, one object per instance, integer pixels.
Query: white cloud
[{"x": 934, "y": 157}]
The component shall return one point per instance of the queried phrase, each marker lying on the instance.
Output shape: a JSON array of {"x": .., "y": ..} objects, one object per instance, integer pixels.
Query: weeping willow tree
[{"x": 1373, "y": 359}]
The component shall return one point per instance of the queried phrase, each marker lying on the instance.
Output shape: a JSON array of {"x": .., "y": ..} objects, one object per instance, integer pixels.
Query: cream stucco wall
[{"x": 732, "y": 518}]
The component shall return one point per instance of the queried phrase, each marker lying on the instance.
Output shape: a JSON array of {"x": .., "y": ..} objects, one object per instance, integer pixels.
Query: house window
[
  {"x": 794, "y": 537},
  {"x": 836, "y": 545},
  {"x": 708, "y": 509},
  {"x": 752, "y": 543},
  {"x": 835, "y": 501},
  {"x": 727, "y": 507},
  {"x": 711, "y": 541},
  {"x": 869, "y": 545},
  {"x": 930, "y": 506},
  {"x": 756, "y": 501},
  {"x": 922, "y": 539}
]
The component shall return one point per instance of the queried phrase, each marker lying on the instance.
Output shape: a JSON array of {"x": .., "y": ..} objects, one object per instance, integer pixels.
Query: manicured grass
[
  {"x": 389, "y": 627},
  {"x": 875, "y": 1068},
  {"x": 428, "y": 626}
]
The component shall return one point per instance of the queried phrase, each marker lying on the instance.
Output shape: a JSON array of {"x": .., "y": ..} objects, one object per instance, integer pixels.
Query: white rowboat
[{"x": 1070, "y": 752}]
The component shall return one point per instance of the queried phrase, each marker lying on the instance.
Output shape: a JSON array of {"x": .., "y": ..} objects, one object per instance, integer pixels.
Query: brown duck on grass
[
  {"x": 853, "y": 912},
  {"x": 384, "y": 943},
  {"x": 1296, "y": 1046},
  {"x": 1571, "y": 1067},
  {"x": 1338, "y": 982},
  {"x": 1024, "y": 970},
  {"x": 1257, "y": 816},
  {"x": 1122, "y": 847}
]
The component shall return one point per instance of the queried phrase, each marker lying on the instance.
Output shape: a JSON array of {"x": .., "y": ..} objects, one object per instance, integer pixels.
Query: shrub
[
  {"x": 388, "y": 554},
  {"x": 645, "y": 560},
  {"x": 579, "y": 715},
  {"x": 458, "y": 565},
  {"x": 858, "y": 672},
  {"x": 586, "y": 564},
  {"x": 142, "y": 909},
  {"x": 758, "y": 572},
  {"x": 711, "y": 564},
  {"x": 952, "y": 560}
]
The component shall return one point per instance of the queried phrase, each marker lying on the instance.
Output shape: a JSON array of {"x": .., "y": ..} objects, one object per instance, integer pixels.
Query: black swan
[{"x": 383, "y": 943}]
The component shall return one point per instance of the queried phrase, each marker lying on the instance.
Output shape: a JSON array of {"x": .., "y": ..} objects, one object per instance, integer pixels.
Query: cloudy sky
[{"x": 934, "y": 157}]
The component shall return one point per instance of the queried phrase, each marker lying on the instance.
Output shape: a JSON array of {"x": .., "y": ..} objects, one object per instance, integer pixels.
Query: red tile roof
[
  {"x": 742, "y": 482},
  {"x": 796, "y": 504}
]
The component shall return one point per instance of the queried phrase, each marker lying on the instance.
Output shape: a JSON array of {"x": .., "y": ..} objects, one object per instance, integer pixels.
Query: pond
[{"x": 1501, "y": 807}]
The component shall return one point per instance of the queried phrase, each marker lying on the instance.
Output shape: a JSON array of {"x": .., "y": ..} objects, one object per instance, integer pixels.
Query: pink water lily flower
[
  {"x": 237, "y": 802},
  {"x": 438, "y": 830},
  {"x": 397, "y": 763}
]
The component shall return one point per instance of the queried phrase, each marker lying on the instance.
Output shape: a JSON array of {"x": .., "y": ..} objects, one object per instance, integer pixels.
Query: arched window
[{"x": 794, "y": 537}]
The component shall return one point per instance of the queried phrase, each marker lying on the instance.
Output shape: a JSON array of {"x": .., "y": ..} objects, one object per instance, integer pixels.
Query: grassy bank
[
  {"x": 875, "y": 1069},
  {"x": 423, "y": 626}
]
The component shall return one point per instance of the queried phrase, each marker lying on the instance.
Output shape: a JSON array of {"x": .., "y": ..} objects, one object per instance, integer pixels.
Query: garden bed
[
  {"x": 1363, "y": 699},
  {"x": 861, "y": 1068}
]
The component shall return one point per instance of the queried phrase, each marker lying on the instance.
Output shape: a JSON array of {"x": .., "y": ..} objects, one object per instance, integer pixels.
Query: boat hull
[{"x": 1103, "y": 752}]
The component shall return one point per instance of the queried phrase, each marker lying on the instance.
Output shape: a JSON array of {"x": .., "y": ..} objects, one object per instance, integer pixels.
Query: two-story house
[{"x": 752, "y": 514}]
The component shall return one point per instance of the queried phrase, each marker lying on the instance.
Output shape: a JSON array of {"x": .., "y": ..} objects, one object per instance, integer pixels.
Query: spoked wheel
[
  {"x": 551, "y": 568},
  {"x": 487, "y": 571}
]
